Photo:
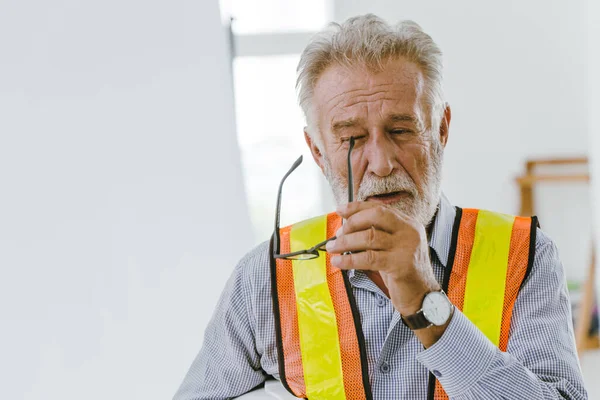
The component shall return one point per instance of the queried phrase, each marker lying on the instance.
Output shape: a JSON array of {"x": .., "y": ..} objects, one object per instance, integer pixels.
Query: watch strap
[{"x": 416, "y": 321}]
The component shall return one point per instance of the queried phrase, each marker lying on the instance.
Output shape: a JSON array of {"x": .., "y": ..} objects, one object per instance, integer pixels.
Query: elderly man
[{"x": 397, "y": 295}]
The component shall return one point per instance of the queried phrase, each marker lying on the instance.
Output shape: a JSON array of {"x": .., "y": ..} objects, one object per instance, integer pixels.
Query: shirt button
[
  {"x": 384, "y": 368},
  {"x": 380, "y": 301},
  {"x": 437, "y": 373}
]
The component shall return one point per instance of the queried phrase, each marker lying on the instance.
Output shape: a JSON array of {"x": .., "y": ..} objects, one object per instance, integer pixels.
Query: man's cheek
[{"x": 416, "y": 157}]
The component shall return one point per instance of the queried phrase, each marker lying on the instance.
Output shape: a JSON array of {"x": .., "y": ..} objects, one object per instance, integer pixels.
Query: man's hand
[{"x": 385, "y": 241}]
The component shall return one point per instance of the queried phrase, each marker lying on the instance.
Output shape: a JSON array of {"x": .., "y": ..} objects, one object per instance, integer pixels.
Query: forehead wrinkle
[
  {"x": 405, "y": 86},
  {"x": 369, "y": 86},
  {"x": 356, "y": 98},
  {"x": 369, "y": 91},
  {"x": 370, "y": 101},
  {"x": 403, "y": 92},
  {"x": 342, "y": 94}
]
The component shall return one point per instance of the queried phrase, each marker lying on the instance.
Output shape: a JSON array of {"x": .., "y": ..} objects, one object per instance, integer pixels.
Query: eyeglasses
[{"x": 313, "y": 252}]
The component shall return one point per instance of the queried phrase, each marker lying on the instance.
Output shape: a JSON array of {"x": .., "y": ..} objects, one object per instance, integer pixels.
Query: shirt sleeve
[
  {"x": 228, "y": 364},
  {"x": 541, "y": 360}
]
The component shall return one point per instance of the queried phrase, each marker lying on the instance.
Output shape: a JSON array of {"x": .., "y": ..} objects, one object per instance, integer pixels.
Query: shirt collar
[{"x": 443, "y": 223}]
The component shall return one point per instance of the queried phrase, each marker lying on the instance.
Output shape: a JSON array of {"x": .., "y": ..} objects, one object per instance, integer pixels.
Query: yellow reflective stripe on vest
[
  {"x": 317, "y": 325},
  {"x": 486, "y": 276}
]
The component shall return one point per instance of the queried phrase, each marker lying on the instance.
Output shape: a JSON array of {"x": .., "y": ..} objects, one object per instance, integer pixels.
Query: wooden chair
[{"x": 527, "y": 182}]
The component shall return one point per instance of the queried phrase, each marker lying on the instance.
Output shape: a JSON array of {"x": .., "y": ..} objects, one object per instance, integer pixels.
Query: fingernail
[
  {"x": 330, "y": 245},
  {"x": 339, "y": 232},
  {"x": 336, "y": 260}
]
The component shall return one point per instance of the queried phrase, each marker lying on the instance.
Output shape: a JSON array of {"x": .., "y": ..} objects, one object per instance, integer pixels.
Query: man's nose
[{"x": 382, "y": 157}]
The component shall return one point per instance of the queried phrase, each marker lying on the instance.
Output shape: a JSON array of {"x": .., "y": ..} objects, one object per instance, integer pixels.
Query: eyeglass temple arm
[
  {"x": 350, "y": 178},
  {"x": 278, "y": 207}
]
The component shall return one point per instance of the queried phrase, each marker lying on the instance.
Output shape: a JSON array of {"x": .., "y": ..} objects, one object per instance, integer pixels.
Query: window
[
  {"x": 261, "y": 16},
  {"x": 268, "y": 38},
  {"x": 270, "y": 134}
]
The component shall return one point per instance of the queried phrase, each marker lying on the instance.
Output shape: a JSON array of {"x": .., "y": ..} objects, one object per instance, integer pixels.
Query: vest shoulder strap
[
  {"x": 321, "y": 349},
  {"x": 491, "y": 256}
]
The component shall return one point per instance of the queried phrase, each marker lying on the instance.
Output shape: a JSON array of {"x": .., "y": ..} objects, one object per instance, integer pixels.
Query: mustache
[{"x": 372, "y": 185}]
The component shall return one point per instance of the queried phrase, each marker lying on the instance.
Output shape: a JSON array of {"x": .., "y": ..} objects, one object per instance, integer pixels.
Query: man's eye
[
  {"x": 347, "y": 139},
  {"x": 399, "y": 131}
]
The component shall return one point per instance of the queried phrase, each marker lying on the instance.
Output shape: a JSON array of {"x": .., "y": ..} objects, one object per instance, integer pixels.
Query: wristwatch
[{"x": 436, "y": 309}]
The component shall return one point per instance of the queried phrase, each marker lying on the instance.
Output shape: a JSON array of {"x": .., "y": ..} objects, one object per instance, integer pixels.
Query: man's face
[{"x": 396, "y": 158}]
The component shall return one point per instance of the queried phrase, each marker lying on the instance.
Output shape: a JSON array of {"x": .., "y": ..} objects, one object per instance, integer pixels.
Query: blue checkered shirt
[{"x": 239, "y": 351}]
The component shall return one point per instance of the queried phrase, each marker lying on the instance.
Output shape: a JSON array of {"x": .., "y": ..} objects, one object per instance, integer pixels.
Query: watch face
[{"x": 437, "y": 308}]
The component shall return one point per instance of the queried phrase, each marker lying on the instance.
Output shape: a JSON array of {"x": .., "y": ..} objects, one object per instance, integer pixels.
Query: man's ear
[
  {"x": 445, "y": 125},
  {"x": 314, "y": 149}
]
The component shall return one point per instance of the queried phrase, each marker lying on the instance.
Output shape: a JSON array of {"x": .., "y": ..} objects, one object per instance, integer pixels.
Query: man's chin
[{"x": 405, "y": 204}]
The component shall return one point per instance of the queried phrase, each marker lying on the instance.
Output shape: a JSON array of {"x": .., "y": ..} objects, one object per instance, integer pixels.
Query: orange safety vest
[{"x": 320, "y": 343}]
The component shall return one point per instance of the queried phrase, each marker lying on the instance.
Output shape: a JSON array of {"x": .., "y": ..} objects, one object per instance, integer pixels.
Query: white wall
[
  {"x": 515, "y": 78},
  {"x": 122, "y": 207},
  {"x": 593, "y": 76}
]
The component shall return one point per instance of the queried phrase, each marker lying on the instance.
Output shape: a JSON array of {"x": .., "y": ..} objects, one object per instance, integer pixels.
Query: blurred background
[{"x": 142, "y": 143}]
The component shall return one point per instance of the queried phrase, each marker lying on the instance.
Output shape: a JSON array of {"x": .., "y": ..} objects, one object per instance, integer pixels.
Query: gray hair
[{"x": 369, "y": 41}]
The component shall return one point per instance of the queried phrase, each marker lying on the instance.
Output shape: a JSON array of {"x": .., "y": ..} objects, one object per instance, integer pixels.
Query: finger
[
  {"x": 382, "y": 218},
  {"x": 372, "y": 260},
  {"x": 346, "y": 210},
  {"x": 368, "y": 239}
]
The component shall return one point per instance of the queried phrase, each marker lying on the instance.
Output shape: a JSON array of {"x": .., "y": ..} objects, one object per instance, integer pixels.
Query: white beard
[{"x": 422, "y": 205}]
